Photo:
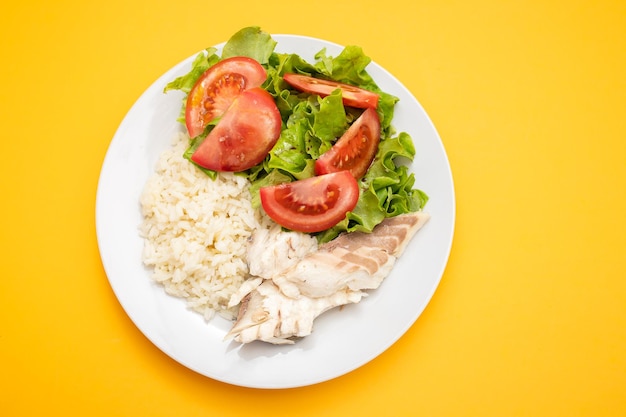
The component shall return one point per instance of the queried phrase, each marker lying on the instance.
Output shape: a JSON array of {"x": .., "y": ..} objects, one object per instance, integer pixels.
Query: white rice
[{"x": 195, "y": 231}]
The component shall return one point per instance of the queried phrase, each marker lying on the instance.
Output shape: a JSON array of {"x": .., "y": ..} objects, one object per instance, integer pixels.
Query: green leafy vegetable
[
  {"x": 311, "y": 125},
  {"x": 203, "y": 61},
  {"x": 251, "y": 42}
]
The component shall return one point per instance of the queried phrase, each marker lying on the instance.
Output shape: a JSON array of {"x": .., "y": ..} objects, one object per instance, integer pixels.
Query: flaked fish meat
[{"x": 281, "y": 304}]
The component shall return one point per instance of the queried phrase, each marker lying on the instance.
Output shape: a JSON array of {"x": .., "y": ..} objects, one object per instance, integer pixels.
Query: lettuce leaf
[
  {"x": 203, "y": 61},
  {"x": 251, "y": 42}
]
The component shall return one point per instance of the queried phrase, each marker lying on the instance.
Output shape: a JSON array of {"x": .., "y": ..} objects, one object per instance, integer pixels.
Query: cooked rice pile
[{"x": 195, "y": 231}]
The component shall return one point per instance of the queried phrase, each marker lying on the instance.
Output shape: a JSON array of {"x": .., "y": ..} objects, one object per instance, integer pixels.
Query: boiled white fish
[{"x": 283, "y": 302}]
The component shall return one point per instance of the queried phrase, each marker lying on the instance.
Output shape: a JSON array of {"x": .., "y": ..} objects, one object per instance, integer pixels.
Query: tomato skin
[
  {"x": 243, "y": 136},
  {"x": 216, "y": 89},
  {"x": 356, "y": 148},
  {"x": 352, "y": 96},
  {"x": 313, "y": 204}
]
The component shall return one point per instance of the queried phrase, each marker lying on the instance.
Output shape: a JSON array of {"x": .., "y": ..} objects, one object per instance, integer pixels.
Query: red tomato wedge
[
  {"x": 216, "y": 89},
  {"x": 356, "y": 148},
  {"x": 352, "y": 96},
  {"x": 243, "y": 136},
  {"x": 313, "y": 204}
]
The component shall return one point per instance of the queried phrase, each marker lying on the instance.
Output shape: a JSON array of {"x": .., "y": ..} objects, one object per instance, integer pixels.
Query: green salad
[{"x": 311, "y": 124}]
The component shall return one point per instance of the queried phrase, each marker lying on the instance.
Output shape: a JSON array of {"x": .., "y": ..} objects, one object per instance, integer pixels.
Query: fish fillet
[{"x": 283, "y": 304}]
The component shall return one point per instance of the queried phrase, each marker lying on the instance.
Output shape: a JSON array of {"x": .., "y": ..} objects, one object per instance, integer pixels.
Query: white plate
[{"x": 343, "y": 339}]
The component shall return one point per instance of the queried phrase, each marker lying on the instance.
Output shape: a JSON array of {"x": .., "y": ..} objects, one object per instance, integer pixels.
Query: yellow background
[{"x": 530, "y": 101}]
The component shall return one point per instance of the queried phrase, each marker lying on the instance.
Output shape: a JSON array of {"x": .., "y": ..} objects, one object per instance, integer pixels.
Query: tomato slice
[
  {"x": 216, "y": 89},
  {"x": 356, "y": 148},
  {"x": 313, "y": 204},
  {"x": 352, "y": 96},
  {"x": 243, "y": 136}
]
